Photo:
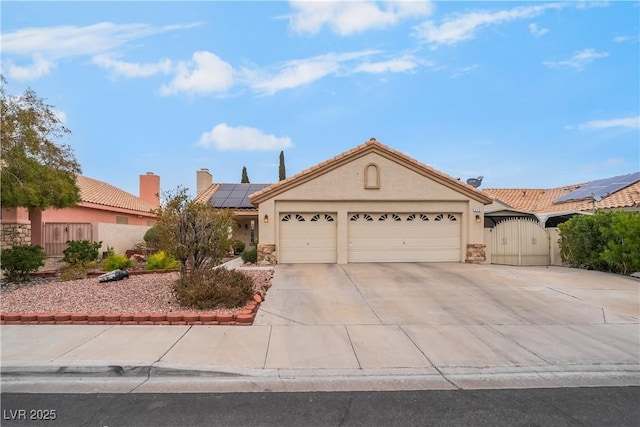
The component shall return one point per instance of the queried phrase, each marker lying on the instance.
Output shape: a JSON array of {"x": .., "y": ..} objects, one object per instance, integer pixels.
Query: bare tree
[{"x": 196, "y": 234}]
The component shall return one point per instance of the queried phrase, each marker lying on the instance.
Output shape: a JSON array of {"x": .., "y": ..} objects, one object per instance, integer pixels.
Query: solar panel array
[
  {"x": 235, "y": 195},
  {"x": 600, "y": 188}
]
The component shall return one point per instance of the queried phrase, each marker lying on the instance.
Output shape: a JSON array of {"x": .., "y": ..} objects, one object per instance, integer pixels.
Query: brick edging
[{"x": 241, "y": 317}]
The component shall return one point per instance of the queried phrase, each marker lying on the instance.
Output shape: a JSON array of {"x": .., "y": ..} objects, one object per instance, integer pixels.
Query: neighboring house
[
  {"x": 233, "y": 196},
  {"x": 521, "y": 224},
  {"x": 105, "y": 213},
  {"x": 370, "y": 204},
  {"x": 555, "y": 205}
]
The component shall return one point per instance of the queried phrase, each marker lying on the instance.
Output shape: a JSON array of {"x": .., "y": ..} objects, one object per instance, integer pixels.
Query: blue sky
[{"x": 526, "y": 94}]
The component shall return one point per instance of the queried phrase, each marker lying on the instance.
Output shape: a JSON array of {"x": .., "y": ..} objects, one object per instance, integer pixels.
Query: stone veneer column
[
  {"x": 16, "y": 228},
  {"x": 476, "y": 253},
  {"x": 267, "y": 254}
]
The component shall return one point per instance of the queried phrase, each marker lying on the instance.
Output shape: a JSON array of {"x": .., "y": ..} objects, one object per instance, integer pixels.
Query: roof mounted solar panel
[
  {"x": 601, "y": 188},
  {"x": 235, "y": 196}
]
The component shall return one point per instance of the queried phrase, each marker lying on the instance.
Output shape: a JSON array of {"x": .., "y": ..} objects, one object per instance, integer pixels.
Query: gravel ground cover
[{"x": 146, "y": 293}]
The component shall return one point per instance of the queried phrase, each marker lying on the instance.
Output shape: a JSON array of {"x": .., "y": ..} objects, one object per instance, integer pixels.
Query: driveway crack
[
  {"x": 429, "y": 360},
  {"x": 361, "y": 295}
]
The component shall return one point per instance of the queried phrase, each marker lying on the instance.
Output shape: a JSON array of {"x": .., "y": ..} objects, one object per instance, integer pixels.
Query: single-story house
[
  {"x": 553, "y": 206},
  {"x": 105, "y": 213},
  {"x": 370, "y": 204},
  {"x": 233, "y": 196},
  {"x": 521, "y": 224}
]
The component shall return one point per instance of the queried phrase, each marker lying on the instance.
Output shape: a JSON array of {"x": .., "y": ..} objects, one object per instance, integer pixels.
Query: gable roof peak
[{"x": 372, "y": 145}]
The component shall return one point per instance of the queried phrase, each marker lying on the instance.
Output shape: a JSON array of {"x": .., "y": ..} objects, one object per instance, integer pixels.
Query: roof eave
[{"x": 360, "y": 151}]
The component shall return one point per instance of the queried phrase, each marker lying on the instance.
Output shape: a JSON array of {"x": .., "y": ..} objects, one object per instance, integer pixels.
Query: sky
[{"x": 525, "y": 94}]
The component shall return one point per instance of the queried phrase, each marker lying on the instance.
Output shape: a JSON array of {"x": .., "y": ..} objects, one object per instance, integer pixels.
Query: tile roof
[
  {"x": 207, "y": 193},
  {"x": 101, "y": 193},
  {"x": 540, "y": 200},
  {"x": 230, "y": 195},
  {"x": 369, "y": 146}
]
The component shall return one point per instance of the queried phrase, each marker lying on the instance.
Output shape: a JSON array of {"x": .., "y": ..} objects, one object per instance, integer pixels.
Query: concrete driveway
[
  {"x": 447, "y": 294},
  {"x": 453, "y": 316}
]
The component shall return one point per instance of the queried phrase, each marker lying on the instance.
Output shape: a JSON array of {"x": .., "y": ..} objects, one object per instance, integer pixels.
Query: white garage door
[
  {"x": 404, "y": 237},
  {"x": 307, "y": 237}
]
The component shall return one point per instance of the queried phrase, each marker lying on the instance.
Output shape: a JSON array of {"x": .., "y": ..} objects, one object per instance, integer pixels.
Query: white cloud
[
  {"x": 132, "y": 69},
  {"x": 54, "y": 43},
  {"x": 632, "y": 122},
  {"x": 205, "y": 73},
  {"x": 461, "y": 27},
  {"x": 348, "y": 17},
  {"x": 614, "y": 161},
  {"x": 300, "y": 72},
  {"x": 37, "y": 69},
  {"x": 579, "y": 60},
  {"x": 398, "y": 65},
  {"x": 242, "y": 138},
  {"x": 623, "y": 39},
  {"x": 538, "y": 32},
  {"x": 463, "y": 70}
]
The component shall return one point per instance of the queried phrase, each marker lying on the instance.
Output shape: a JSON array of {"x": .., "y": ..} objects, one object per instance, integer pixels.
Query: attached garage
[
  {"x": 404, "y": 237},
  {"x": 370, "y": 204},
  {"x": 307, "y": 237}
]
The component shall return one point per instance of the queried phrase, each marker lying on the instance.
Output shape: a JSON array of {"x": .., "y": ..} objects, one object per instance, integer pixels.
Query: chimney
[
  {"x": 150, "y": 188},
  {"x": 203, "y": 180}
]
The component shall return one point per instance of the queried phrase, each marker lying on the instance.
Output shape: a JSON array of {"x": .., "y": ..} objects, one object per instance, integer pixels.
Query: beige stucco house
[{"x": 370, "y": 204}]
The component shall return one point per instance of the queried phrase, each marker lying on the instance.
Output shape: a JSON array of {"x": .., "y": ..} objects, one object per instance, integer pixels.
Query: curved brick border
[{"x": 242, "y": 317}]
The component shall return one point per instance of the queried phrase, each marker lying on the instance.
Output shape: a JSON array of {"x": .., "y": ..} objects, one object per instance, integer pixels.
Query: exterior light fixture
[
  {"x": 478, "y": 219},
  {"x": 266, "y": 219}
]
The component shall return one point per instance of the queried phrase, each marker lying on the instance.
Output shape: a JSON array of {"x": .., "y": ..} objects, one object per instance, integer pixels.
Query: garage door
[
  {"x": 404, "y": 237},
  {"x": 307, "y": 237}
]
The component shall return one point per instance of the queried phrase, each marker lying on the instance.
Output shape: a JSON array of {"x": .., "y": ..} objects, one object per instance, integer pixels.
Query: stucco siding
[
  {"x": 120, "y": 237},
  {"x": 347, "y": 183},
  {"x": 83, "y": 214}
]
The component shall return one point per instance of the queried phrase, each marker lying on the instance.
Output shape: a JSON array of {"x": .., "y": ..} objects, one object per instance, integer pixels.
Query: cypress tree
[
  {"x": 282, "y": 173},
  {"x": 245, "y": 177}
]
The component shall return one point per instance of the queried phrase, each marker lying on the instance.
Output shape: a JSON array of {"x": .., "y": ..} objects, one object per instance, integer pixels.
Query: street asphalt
[{"x": 360, "y": 327}]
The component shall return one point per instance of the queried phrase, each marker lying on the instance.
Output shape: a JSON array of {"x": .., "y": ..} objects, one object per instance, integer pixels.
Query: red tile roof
[
  {"x": 540, "y": 200},
  {"x": 370, "y": 146},
  {"x": 101, "y": 193}
]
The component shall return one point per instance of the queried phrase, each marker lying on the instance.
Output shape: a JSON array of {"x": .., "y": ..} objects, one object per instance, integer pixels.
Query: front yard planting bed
[{"x": 142, "y": 299}]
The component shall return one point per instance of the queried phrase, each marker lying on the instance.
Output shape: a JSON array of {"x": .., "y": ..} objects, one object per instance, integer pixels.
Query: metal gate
[
  {"x": 56, "y": 235},
  {"x": 519, "y": 241}
]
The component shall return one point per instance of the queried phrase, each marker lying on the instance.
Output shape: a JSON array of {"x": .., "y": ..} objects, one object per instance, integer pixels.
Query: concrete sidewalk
[
  {"x": 88, "y": 358},
  {"x": 360, "y": 327}
]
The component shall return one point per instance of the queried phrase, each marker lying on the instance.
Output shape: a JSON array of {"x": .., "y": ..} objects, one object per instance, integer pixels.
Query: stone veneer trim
[{"x": 267, "y": 254}]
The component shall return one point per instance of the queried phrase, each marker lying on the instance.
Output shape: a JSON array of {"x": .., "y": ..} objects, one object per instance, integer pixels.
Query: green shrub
[
  {"x": 152, "y": 239},
  {"x": 238, "y": 246},
  {"x": 76, "y": 271},
  {"x": 20, "y": 261},
  {"x": 116, "y": 262},
  {"x": 213, "y": 288},
  {"x": 250, "y": 256},
  {"x": 81, "y": 251},
  {"x": 606, "y": 241},
  {"x": 162, "y": 261}
]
